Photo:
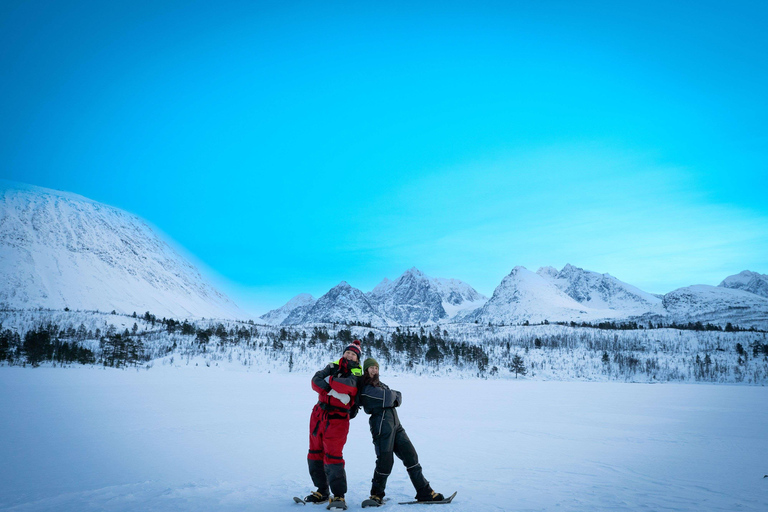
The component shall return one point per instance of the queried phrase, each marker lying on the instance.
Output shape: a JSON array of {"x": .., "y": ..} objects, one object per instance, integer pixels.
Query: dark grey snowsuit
[{"x": 389, "y": 438}]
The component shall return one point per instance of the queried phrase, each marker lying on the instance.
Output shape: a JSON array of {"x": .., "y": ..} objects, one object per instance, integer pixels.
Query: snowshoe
[
  {"x": 316, "y": 497},
  {"x": 337, "y": 503},
  {"x": 373, "y": 501},
  {"x": 431, "y": 501}
]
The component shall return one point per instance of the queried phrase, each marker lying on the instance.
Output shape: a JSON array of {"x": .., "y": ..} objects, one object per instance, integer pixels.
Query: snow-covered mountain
[
  {"x": 301, "y": 303},
  {"x": 411, "y": 299},
  {"x": 59, "y": 250},
  {"x": 602, "y": 292},
  {"x": 415, "y": 298},
  {"x": 748, "y": 281},
  {"x": 525, "y": 295},
  {"x": 718, "y": 305},
  {"x": 571, "y": 294},
  {"x": 342, "y": 303}
]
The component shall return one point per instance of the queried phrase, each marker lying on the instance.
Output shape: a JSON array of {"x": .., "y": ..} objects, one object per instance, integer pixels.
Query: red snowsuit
[{"x": 329, "y": 426}]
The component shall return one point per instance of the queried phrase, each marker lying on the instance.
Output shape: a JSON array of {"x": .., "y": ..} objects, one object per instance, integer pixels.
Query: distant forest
[{"x": 561, "y": 351}]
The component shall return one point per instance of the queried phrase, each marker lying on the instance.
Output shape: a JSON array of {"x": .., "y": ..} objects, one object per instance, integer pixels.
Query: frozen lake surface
[{"x": 204, "y": 439}]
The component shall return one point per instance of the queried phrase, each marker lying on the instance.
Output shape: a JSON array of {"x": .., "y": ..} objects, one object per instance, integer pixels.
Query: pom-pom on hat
[{"x": 355, "y": 347}]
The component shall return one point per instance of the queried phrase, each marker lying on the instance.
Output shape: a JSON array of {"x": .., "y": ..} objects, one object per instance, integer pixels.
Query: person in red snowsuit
[{"x": 336, "y": 386}]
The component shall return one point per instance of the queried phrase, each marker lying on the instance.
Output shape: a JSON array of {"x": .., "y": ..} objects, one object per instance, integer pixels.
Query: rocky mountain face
[
  {"x": 342, "y": 303},
  {"x": 60, "y": 250},
  {"x": 527, "y": 296},
  {"x": 415, "y": 298},
  {"x": 749, "y": 282},
  {"x": 602, "y": 292}
]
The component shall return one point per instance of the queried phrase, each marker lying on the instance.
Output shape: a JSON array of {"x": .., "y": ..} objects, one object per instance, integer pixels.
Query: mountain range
[
  {"x": 60, "y": 250},
  {"x": 570, "y": 294}
]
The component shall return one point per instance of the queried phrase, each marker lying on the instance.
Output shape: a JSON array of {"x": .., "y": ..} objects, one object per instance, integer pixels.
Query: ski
[
  {"x": 441, "y": 502},
  {"x": 299, "y": 500}
]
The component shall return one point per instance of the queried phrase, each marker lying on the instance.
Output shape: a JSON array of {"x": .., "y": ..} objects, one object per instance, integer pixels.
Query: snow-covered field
[{"x": 201, "y": 439}]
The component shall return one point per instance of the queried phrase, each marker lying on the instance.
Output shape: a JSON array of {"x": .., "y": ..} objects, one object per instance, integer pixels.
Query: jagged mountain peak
[
  {"x": 414, "y": 272},
  {"x": 547, "y": 272},
  {"x": 415, "y": 298},
  {"x": 342, "y": 303}
]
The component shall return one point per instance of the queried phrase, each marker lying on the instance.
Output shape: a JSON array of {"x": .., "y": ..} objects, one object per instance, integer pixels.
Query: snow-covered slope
[
  {"x": 301, "y": 303},
  {"x": 715, "y": 304},
  {"x": 342, "y": 303},
  {"x": 525, "y": 295},
  {"x": 748, "y": 281},
  {"x": 415, "y": 298},
  {"x": 608, "y": 296},
  {"x": 62, "y": 250}
]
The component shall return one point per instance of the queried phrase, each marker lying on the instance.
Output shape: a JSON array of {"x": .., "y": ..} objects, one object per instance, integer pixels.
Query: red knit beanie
[{"x": 355, "y": 347}]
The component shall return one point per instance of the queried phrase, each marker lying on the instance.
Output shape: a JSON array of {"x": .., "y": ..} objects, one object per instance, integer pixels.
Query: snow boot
[
  {"x": 316, "y": 497},
  {"x": 429, "y": 495}
]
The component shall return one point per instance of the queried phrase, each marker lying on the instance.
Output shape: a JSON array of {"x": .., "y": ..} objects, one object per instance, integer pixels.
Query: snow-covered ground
[{"x": 200, "y": 439}]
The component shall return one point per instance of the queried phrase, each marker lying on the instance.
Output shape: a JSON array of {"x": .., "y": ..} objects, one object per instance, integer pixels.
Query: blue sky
[{"x": 288, "y": 146}]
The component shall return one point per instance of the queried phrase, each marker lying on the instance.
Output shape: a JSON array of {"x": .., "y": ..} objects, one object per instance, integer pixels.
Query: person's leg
[
  {"x": 334, "y": 438},
  {"x": 384, "y": 461},
  {"x": 315, "y": 456},
  {"x": 407, "y": 453}
]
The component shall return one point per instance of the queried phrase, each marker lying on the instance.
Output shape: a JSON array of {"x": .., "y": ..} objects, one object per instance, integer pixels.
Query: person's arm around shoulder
[{"x": 319, "y": 382}]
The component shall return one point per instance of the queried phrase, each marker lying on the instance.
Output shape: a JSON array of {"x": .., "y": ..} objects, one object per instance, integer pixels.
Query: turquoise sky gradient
[{"x": 289, "y": 146}]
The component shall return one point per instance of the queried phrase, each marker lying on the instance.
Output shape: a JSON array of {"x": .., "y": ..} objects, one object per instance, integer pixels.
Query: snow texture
[
  {"x": 60, "y": 250},
  {"x": 199, "y": 439}
]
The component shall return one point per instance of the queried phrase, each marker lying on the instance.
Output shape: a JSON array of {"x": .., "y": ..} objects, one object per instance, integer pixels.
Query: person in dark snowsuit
[
  {"x": 336, "y": 386},
  {"x": 389, "y": 437}
]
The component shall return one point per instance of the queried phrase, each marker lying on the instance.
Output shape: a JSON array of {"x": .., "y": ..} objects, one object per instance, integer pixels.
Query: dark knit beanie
[
  {"x": 355, "y": 347},
  {"x": 368, "y": 363}
]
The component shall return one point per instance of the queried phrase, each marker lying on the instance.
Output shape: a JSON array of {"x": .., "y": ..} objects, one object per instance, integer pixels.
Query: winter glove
[
  {"x": 398, "y": 398},
  {"x": 341, "y": 397}
]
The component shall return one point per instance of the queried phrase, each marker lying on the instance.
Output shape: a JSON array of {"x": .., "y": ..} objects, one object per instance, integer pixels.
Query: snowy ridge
[
  {"x": 603, "y": 292},
  {"x": 62, "y": 250},
  {"x": 748, "y": 281},
  {"x": 415, "y": 298},
  {"x": 302, "y": 302},
  {"x": 526, "y": 296},
  {"x": 340, "y": 304},
  {"x": 715, "y": 304}
]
